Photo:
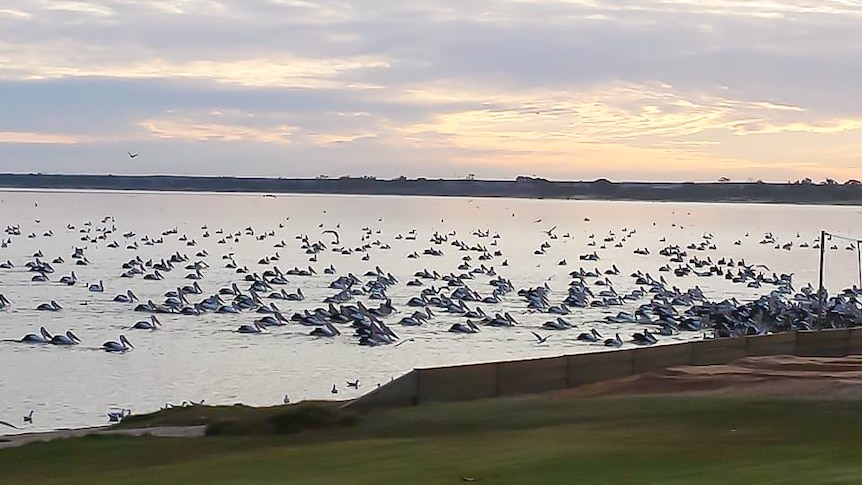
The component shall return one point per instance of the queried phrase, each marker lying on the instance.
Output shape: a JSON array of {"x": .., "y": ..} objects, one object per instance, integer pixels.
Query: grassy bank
[{"x": 531, "y": 440}]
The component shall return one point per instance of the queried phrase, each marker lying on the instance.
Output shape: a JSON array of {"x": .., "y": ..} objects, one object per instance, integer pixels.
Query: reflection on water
[{"x": 194, "y": 358}]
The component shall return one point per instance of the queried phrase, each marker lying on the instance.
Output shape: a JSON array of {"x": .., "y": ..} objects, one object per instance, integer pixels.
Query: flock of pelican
[{"x": 358, "y": 306}]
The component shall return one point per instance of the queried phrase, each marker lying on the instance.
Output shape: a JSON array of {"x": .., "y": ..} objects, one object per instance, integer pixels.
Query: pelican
[
  {"x": 53, "y": 306},
  {"x": 127, "y": 297},
  {"x": 97, "y": 287},
  {"x": 69, "y": 280},
  {"x": 592, "y": 336},
  {"x": 327, "y": 330},
  {"x": 645, "y": 338},
  {"x": 42, "y": 338},
  {"x": 253, "y": 328},
  {"x": 614, "y": 342},
  {"x": 29, "y": 417},
  {"x": 152, "y": 324},
  {"x": 354, "y": 384},
  {"x": 469, "y": 327},
  {"x": 122, "y": 346},
  {"x": 68, "y": 339},
  {"x": 4, "y": 303},
  {"x": 117, "y": 416}
]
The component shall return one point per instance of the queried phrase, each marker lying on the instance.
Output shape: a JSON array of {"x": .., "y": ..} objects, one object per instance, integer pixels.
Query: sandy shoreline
[{"x": 10, "y": 441}]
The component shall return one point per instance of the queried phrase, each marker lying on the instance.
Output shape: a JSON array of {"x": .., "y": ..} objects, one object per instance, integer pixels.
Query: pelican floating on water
[
  {"x": 126, "y": 297},
  {"x": 69, "y": 280},
  {"x": 53, "y": 306},
  {"x": 43, "y": 337},
  {"x": 253, "y": 328},
  {"x": 152, "y": 324},
  {"x": 68, "y": 339},
  {"x": 122, "y": 346}
]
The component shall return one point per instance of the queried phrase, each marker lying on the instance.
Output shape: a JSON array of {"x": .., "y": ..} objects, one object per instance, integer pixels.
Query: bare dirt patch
[{"x": 820, "y": 377}]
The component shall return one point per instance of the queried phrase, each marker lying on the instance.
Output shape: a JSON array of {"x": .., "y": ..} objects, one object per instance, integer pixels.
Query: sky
[{"x": 562, "y": 89}]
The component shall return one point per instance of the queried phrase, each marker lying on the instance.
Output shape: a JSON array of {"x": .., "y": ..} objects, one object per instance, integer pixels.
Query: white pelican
[
  {"x": 127, "y": 297},
  {"x": 4, "y": 302},
  {"x": 117, "y": 416},
  {"x": 152, "y": 324},
  {"x": 42, "y": 338},
  {"x": 254, "y": 328},
  {"x": 97, "y": 287},
  {"x": 68, "y": 339},
  {"x": 122, "y": 346},
  {"x": 53, "y": 306},
  {"x": 614, "y": 342},
  {"x": 69, "y": 280}
]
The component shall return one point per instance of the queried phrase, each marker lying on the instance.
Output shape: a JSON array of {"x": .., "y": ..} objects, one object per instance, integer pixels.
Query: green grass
[{"x": 664, "y": 439}]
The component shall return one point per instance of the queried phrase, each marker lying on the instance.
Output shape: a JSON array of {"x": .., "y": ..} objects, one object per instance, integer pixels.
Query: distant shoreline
[{"x": 522, "y": 187}]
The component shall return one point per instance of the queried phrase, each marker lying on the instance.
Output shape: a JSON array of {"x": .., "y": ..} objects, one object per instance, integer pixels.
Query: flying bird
[
  {"x": 133, "y": 155},
  {"x": 334, "y": 233},
  {"x": 550, "y": 232},
  {"x": 539, "y": 338}
]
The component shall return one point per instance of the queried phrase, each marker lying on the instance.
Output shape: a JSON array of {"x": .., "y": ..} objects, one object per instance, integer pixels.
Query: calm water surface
[{"x": 194, "y": 358}]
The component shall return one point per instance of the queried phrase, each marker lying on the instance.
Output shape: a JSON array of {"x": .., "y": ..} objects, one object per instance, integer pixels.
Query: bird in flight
[
  {"x": 550, "y": 232},
  {"x": 133, "y": 155},
  {"x": 539, "y": 338}
]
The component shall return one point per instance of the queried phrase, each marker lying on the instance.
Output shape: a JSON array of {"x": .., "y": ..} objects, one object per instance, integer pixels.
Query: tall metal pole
[
  {"x": 859, "y": 260},
  {"x": 820, "y": 290}
]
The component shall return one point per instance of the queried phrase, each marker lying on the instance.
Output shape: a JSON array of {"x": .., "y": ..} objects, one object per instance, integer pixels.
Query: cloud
[
  {"x": 192, "y": 130},
  {"x": 40, "y": 138},
  {"x": 667, "y": 89}
]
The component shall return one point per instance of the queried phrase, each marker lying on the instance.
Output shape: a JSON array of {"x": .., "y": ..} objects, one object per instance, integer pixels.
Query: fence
[{"x": 511, "y": 378}]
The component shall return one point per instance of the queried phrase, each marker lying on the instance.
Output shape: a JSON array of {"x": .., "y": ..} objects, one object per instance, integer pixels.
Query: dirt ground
[{"x": 829, "y": 378}]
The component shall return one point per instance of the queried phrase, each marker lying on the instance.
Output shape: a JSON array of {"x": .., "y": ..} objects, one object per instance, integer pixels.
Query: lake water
[{"x": 203, "y": 357}]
